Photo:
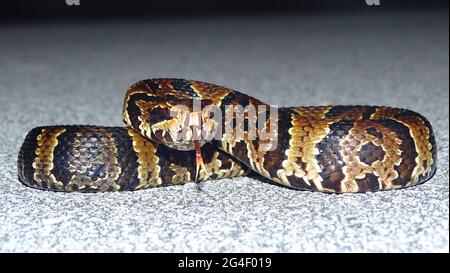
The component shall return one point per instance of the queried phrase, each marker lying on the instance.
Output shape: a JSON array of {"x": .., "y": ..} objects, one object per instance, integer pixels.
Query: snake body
[
  {"x": 97, "y": 159},
  {"x": 323, "y": 148}
]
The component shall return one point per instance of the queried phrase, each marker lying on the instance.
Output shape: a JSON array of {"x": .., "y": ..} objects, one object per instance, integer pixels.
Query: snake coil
[{"x": 324, "y": 148}]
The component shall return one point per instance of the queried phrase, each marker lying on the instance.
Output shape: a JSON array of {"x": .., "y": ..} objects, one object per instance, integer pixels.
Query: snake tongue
[
  {"x": 198, "y": 151},
  {"x": 198, "y": 158}
]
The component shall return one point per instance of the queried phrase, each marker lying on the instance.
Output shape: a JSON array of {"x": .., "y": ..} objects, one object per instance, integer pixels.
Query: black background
[{"x": 22, "y": 10}]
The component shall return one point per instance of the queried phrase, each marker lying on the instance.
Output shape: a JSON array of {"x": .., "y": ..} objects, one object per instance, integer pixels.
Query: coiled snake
[{"x": 325, "y": 148}]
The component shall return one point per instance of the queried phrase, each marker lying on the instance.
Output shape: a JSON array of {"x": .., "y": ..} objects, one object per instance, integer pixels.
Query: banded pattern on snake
[{"x": 324, "y": 148}]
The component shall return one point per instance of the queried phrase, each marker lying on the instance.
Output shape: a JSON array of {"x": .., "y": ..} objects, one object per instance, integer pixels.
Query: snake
[{"x": 178, "y": 131}]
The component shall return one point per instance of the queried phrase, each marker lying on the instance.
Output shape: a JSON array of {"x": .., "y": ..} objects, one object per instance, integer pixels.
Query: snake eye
[
  {"x": 166, "y": 112},
  {"x": 211, "y": 115}
]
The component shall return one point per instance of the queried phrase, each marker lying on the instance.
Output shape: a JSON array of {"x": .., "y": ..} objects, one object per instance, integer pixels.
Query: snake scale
[{"x": 324, "y": 148}]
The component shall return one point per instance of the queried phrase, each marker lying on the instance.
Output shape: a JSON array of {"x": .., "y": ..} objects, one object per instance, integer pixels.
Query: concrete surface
[{"x": 77, "y": 74}]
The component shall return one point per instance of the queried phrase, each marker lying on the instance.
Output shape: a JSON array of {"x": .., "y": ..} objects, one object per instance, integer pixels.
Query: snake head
[{"x": 177, "y": 123}]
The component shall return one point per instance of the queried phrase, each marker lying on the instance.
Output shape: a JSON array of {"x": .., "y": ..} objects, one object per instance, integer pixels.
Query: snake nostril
[{"x": 158, "y": 134}]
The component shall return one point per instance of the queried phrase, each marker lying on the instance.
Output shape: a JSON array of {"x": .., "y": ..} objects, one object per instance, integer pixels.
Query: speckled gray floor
[{"x": 77, "y": 74}]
